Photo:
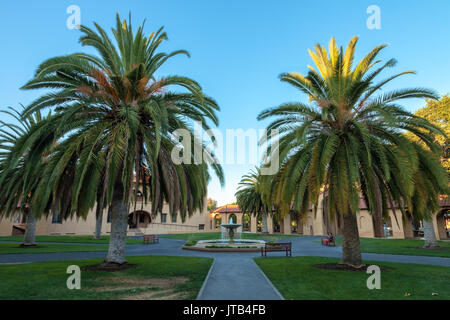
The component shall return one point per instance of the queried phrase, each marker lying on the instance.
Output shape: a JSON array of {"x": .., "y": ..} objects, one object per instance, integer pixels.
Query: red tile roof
[{"x": 229, "y": 208}]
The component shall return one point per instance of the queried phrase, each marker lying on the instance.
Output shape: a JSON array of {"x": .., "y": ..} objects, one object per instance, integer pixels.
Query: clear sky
[{"x": 238, "y": 48}]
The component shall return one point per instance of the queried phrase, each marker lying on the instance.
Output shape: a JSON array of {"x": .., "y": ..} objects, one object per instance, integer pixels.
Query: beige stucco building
[
  {"x": 319, "y": 224},
  {"x": 140, "y": 221}
]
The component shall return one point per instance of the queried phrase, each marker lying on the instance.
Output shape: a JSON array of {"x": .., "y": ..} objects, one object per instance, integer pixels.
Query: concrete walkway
[{"x": 233, "y": 276}]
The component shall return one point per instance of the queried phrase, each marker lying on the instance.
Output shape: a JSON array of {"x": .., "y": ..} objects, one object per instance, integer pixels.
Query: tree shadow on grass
[
  {"x": 344, "y": 267},
  {"x": 109, "y": 267}
]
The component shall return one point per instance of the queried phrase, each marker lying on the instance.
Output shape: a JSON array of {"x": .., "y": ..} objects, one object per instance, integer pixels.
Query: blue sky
[{"x": 238, "y": 48}]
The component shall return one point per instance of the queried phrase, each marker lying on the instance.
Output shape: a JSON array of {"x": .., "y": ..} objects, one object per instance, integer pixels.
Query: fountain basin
[{"x": 240, "y": 245}]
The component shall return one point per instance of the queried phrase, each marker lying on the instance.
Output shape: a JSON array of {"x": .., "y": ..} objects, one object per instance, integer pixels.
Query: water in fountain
[
  {"x": 226, "y": 237},
  {"x": 226, "y": 229}
]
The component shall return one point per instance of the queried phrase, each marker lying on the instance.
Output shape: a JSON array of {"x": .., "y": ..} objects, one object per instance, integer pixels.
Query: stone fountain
[
  {"x": 229, "y": 230},
  {"x": 230, "y": 242}
]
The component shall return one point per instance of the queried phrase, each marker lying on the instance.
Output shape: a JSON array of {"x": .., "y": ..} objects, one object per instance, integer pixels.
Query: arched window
[
  {"x": 217, "y": 220},
  {"x": 246, "y": 222}
]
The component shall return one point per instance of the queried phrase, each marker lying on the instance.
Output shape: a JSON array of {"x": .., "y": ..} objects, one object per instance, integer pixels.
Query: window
[
  {"x": 201, "y": 227},
  {"x": 217, "y": 221},
  {"x": 56, "y": 217},
  {"x": 174, "y": 218},
  {"x": 164, "y": 217}
]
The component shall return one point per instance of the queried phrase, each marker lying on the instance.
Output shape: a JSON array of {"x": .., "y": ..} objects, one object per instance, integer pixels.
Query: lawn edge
[
  {"x": 268, "y": 280},
  {"x": 206, "y": 280}
]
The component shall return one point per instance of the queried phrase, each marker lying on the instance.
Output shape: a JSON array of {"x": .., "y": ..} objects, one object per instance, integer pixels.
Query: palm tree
[
  {"x": 437, "y": 112},
  {"x": 347, "y": 141},
  {"x": 115, "y": 123},
  {"x": 19, "y": 181},
  {"x": 426, "y": 198},
  {"x": 251, "y": 197}
]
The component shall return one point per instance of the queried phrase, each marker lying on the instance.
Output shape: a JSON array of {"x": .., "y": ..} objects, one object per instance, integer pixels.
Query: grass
[
  {"x": 298, "y": 279},
  {"x": 412, "y": 247},
  {"x": 190, "y": 243},
  {"x": 150, "y": 279},
  {"x": 218, "y": 235},
  {"x": 70, "y": 239},
  {"x": 9, "y": 248}
]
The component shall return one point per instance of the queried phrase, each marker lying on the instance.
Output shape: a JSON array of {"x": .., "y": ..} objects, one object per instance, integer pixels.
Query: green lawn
[
  {"x": 218, "y": 235},
  {"x": 72, "y": 239},
  {"x": 8, "y": 248},
  {"x": 153, "y": 278},
  {"x": 297, "y": 278},
  {"x": 412, "y": 247}
]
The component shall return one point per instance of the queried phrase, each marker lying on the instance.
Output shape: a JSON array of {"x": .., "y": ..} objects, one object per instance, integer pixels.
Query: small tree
[
  {"x": 211, "y": 204},
  {"x": 437, "y": 113},
  {"x": 251, "y": 198},
  {"x": 19, "y": 177}
]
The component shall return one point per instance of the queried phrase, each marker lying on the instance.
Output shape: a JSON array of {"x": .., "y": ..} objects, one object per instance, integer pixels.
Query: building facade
[
  {"x": 319, "y": 224},
  {"x": 140, "y": 221}
]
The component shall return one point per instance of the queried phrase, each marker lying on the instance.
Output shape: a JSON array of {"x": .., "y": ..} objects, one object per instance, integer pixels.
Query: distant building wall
[{"x": 79, "y": 226}]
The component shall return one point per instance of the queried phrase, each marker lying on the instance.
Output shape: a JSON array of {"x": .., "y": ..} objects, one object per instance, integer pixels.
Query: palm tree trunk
[
  {"x": 429, "y": 235},
  {"x": 29, "y": 239},
  {"x": 98, "y": 223},
  {"x": 119, "y": 225},
  {"x": 265, "y": 229},
  {"x": 351, "y": 251},
  {"x": 377, "y": 216},
  {"x": 378, "y": 228}
]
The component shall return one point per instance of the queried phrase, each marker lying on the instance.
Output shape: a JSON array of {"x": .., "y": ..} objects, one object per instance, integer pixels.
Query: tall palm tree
[
  {"x": 347, "y": 140},
  {"x": 19, "y": 181},
  {"x": 251, "y": 197},
  {"x": 116, "y": 119}
]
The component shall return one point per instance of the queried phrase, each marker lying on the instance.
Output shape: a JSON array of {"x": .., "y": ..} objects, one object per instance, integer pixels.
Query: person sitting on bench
[{"x": 329, "y": 239}]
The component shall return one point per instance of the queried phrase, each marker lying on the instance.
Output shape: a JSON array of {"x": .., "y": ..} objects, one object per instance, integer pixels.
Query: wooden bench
[
  {"x": 150, "y": 238},
  {"x": 282, "y": 246},
  {"x": 331, "y": 243}
]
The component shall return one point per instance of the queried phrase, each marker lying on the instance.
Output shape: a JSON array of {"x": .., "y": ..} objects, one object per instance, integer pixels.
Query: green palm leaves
[
  {"x": 347, "y": 140},
  {"x": 19, "y": 173},
  {"x": 250, "y": 194},
  {"x": 114, "y": 118}
]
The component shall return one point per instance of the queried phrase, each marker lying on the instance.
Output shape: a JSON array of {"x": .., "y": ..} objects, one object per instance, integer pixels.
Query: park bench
[
  {"x": 150, "y": 238},
  {"x": 331, "y": 243},
  {"x": 282, "y": 246}
]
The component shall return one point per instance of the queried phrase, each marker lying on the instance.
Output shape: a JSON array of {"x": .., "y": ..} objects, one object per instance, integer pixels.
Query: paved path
[{"x": 234, "y": 276}]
